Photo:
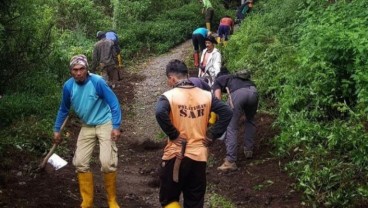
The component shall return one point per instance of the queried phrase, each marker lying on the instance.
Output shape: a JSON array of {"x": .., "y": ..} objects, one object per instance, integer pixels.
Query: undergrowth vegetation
[
  {"x": 37, "y": 39},
  {"x": 311, "y": 57}
]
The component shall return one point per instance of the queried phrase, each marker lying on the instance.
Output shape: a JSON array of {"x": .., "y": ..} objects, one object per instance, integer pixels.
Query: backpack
[{"x": 111, "y": 35}]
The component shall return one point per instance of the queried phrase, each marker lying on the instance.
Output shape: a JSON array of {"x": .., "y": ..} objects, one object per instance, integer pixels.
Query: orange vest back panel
[{"x": 190, "y": 111}]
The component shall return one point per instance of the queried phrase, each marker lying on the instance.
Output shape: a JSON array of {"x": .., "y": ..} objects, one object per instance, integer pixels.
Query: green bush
[
  {"x": 311, "y": 57},
  {"x": 75, "y": 14},
  {"x": 25, "y": 38},
  {"x": 40, "y": 99},
  {"x": 43, "y": 35}
]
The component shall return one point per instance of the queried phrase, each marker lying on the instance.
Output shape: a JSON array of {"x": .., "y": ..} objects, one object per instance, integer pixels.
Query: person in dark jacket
[
  {"x": 243, "y": 10},
  {"x": 104, "y": 59},
  {"x": 243, "y": 98},
  {"x": 183, "y": 113}
]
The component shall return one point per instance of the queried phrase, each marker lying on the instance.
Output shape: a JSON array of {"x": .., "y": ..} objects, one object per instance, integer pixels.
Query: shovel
[{"x": 44, "y": 161}]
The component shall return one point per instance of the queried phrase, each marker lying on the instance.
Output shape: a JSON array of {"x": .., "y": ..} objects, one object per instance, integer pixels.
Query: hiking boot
[
  {"x": 248, "y": 154},
  {"x": 227, "y": 166}
]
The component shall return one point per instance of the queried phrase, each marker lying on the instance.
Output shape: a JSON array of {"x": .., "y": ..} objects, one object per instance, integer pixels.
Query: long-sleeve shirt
[
  {"x": 232, "y": 82},
  {"x": 93, "y": 101},
  {"x": 104, "y": 54},
  {"x": 212, "y": 63},
  {"x": 207, "y": 4}
]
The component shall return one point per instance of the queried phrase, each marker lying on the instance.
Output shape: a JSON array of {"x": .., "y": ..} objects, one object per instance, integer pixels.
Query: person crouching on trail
[
  {"x": 225, "y": 29},
  {"x": 98, "y": 107},
  {"x": 243, "y": 10},
  {"x": 210, "y": 64},
  {"x": 208, "y": 11},
  {"x": 183, "y": 113},
  {"x": 244, "y": 100},
  {"x": 198, "y": 40}
]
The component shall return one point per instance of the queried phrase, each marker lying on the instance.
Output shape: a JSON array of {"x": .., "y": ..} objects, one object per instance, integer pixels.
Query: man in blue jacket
[{"x": 98, "y": 107}]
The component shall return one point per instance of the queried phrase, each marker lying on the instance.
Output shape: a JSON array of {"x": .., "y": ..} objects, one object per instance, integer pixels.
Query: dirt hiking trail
[{"x": 259, "y": 182}]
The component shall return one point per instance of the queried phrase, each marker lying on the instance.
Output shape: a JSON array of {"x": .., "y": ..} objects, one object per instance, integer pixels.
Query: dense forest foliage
[
  {"x": 37, "y": 39},
  {"x": 308, "y": 58}
]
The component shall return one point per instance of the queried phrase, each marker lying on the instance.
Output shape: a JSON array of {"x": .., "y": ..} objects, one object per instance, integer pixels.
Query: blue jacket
[{"x": 93, "y": 101}]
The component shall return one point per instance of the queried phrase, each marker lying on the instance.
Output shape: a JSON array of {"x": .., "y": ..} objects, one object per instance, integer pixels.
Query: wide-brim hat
[{"x": 211, "y": 39}]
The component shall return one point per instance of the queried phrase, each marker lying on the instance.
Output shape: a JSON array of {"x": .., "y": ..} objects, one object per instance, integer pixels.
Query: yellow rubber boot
[
  {"x": 174, "y": 204},
  {"x": 213, "y": 118},
  {"x": 218, "y": 39},
  {"x": 120, "y": 60},
  {"x": 86, "y": 189},
  {"x": 110, "y": 186},
  {"x": 225, "y": 43},
  {"x": 208, "y": 26}
]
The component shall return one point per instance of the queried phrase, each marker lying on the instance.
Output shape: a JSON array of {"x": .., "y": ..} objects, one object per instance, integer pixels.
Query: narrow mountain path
[
  {"x": 140, "y": 149},
  {"x": 258, "y": 183}
]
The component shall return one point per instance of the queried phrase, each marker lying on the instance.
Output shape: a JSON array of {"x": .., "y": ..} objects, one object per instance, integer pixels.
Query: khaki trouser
[{"x": 87, "y": 140}]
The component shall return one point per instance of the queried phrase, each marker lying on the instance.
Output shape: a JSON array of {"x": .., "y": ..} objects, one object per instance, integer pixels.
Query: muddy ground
[{"x": 259, "y": 182}]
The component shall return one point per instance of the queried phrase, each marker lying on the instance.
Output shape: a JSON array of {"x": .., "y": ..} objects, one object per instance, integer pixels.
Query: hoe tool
[
  {"x": 230, "y": 99},
  {"x": 178, "y": 162},
  {"x": 44, "y": 161}
]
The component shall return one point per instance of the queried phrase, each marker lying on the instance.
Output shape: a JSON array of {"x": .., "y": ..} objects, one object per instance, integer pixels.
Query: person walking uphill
[
  {"x": 111, "y": 35},
  {"x": 99, "y": 109},
  {"x": 208, "y": 11},
  {"x": 244, "y": 101},
  {"x": 183, "y": 114},
  {"x": 104, "y": 59},
  {"x": 210, "y": 64}
]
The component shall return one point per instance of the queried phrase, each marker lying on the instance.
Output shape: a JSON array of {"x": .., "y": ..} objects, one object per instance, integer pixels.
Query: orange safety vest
[{"x": 190, "y": 111}]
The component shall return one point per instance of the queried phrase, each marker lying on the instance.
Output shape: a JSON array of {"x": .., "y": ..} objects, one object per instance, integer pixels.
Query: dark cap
[
  {"x": 100, "y": 34},
  {"x": 211, "y": 39}
]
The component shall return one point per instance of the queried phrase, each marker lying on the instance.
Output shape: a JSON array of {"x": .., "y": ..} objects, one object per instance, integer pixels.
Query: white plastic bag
[{"x": 56, "y": 161}]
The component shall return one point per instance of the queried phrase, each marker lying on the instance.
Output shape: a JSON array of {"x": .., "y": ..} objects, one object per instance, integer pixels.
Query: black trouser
[
  {"x": 199, "y": 43},
  {"x": 209, "y": 15},
  {"x": 192, "y": 182},
  {"x": 245, "y": 101}
]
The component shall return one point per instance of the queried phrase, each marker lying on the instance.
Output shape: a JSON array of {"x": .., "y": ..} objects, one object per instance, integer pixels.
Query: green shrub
[
  {"x": 311, "y": 57},
  {"x": 75, "y": 14}
]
